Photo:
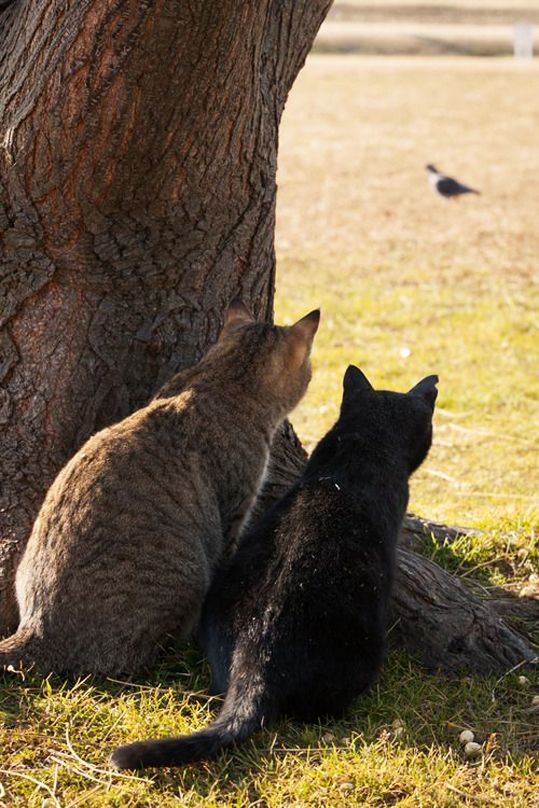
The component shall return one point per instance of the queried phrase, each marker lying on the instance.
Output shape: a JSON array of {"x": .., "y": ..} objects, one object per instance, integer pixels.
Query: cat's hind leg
[{"x": 218, "y": 645}]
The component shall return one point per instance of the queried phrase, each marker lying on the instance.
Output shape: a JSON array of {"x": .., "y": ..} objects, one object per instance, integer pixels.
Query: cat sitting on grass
[
  {"x": 295, "y": 624},
  {"x": 130, "y": 533}
]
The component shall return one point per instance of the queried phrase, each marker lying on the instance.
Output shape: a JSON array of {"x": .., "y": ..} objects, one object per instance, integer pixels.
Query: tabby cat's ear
[
  {"x": 355, "y": 380},
  {"x": 426, "y": 389},
  {"x": 302, "y": 335},
  {"x": 307, "y": 327},
  {"x": 237, "y": 313}
]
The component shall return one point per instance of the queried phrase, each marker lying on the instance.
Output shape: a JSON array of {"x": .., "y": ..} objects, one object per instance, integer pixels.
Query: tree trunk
[{"x": 138, "y": 147}]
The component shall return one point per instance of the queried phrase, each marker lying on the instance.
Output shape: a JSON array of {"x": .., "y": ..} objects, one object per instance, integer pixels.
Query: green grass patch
[{"x": 398, "y": 747}]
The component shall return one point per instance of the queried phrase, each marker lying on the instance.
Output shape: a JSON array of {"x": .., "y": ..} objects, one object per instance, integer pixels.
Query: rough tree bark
[{"x": 138, "y": 147}]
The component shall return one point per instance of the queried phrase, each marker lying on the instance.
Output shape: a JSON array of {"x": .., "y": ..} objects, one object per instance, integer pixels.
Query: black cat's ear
[
  {"x": 237, "y": 313},
  {"x": 426, "y": 389},
  {"x": 355, "y": 380}
]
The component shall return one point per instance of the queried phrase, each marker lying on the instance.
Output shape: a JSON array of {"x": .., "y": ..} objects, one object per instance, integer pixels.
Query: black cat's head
[{"x": 402, "y": 420}]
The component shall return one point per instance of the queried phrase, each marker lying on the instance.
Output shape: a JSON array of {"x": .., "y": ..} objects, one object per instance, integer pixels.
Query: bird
[{"x": 447, "y": 186}]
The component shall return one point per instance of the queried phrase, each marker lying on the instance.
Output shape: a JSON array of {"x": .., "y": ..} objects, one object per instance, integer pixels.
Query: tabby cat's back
[{"x": 131, "y": 531}]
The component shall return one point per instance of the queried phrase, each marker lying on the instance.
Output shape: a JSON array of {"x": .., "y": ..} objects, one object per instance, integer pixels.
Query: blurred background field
[
  {"x": 411, "y": 284},
  {"x": 472, "y": 27}
]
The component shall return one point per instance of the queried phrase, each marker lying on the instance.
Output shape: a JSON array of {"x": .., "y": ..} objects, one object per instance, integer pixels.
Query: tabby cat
[
  {"x": 295, "y": 624},
  {"x": 129, "y": 535}
]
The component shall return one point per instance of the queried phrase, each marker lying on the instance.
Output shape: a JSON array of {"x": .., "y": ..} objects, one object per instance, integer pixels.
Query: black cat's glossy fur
[{"x": 296, "y": 623}]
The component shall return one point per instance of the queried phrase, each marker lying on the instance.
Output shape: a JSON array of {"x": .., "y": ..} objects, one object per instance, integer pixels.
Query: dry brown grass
[{"x": 357, "y": 133}]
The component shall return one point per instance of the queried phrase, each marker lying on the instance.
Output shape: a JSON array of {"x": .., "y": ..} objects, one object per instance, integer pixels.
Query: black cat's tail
[
  {"x": 244, "y": 712},
  {"x": 18, "y": 649}
]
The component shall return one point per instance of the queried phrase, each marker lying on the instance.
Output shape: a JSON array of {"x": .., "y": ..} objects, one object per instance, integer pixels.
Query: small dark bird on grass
[{"x": 447, "y": 186}]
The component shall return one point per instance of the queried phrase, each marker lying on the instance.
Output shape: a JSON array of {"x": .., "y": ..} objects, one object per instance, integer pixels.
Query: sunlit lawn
[{"x": 409, "y": 285}]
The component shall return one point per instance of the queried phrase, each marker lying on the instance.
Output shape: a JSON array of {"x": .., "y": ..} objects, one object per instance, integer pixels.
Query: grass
[
  {"x": 408, "y": 285},
  {"x": 400, "y": 746}
]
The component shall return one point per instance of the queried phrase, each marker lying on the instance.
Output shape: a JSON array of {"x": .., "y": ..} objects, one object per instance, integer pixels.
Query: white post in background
[{"x": 523, "y": 40}]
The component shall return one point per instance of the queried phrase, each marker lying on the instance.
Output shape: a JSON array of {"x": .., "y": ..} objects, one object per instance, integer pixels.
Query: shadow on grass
[{"x": 407, "y": 709}]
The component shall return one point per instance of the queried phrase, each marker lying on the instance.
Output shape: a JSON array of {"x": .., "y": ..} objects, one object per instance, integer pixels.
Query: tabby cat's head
[
  {"x": 399, "y": 422},
  {"x": 272, "y": 363}
]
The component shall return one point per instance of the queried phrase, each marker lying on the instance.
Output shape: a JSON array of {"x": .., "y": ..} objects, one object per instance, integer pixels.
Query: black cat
[{"x": 296, "y": 624}]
